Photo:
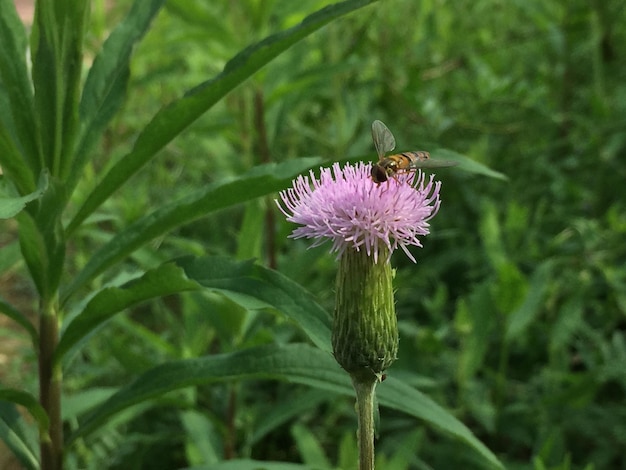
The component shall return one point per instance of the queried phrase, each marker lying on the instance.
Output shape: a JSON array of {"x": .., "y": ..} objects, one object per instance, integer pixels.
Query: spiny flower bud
[{"x": 365, "y": 329}]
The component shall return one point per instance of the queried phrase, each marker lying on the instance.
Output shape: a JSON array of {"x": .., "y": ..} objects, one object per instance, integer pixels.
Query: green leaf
[
  {"x": 250, "y": 236},
  {"x": 29, "y": 402},
  {"x": 265, "y": 285},
  {"x": 17, "y": 88},
  {"x": 299, "y": 363},
  {"x": 467, "y": 164},
  {"x": 165, "y": 280},
  {"x": 521, "y": 318},
  {"x": 12, "y": 161},
  {"x": 202, "y": 443},
  {"x": 33, "y": 247},
  {"x": 14, "y": 314},
  {"x": 174, "y": 118},
  {"x": 11, "y": 205},
  {"x": 78, "y": 403},
  {"x": 395, "y": 394},
  {"x": 11, "y": 432},
  {"x": 57, "y": 46},
  {"x": 475, "y": 317},
  {"x": 246, "y": 464},
  {"x": 105, "y": 86},
  {"x": 296, "y": 363},
  {"x": 309, "y": 447},
  {"x": 283, "y": 412},
  {"x": 257, "y": 182},
  {"x": 41, "y": 239}
]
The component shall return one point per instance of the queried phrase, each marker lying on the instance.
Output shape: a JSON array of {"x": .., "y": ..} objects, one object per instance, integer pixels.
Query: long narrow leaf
[
  {"x": 257, "y": 182},
  {"x": 34, "y": 251},
  {"x": 105, "y": 86},
  {"x": 29, "y": 402},
  {"x": 262, "y": 284},
  {"x": 523, "y": 316},
  {"x": 165, "y": 280},
  {"x": 468, "y": 164},
  {"x": 14, "y": 314},
  {"x": 12, "y": 434},
  {"x": 296, "y": 363},
  {"x": 246, "y": 464},
  {"x": 11, "y": 205},
  {"x": 219, "y": 273},
  {"x": 174, "y": 118},
  {"x": 14, "y": 76},
  {"x": 397, "y": 395},
  {"x": 299, "y": 363},
  {"x": 57, "y": 42},
  {"x": 12, "y": 161}
]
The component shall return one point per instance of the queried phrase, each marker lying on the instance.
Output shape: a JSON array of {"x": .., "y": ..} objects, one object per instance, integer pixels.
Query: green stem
[
  {"x": 365, "y": 411},
  {"x": 51, "y": 442}
]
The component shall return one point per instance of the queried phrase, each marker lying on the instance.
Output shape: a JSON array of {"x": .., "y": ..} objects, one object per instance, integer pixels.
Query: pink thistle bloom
[{"x": 344, "y": 205}]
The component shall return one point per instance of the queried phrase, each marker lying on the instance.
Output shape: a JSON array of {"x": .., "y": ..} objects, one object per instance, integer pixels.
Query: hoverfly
[{"x": 387, "y": 167}]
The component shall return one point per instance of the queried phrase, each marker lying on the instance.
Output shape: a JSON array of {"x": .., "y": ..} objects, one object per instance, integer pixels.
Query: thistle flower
[
  {"x": 366, "y": 222},
  {"x": 346, "y": 207}
]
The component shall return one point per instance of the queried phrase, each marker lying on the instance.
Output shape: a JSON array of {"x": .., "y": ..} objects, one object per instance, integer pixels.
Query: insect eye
[{"x": 379, "y": 175}]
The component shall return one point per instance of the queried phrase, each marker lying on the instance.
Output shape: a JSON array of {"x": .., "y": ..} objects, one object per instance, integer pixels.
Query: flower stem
[{"x": 365, "y": 413}]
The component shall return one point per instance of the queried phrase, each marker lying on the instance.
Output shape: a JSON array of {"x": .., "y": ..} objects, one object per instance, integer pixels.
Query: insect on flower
[{"x": 387, "y": 167}]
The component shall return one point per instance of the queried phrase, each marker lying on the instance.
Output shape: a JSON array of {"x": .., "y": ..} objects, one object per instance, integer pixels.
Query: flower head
[{"x": 345, "y": 206}]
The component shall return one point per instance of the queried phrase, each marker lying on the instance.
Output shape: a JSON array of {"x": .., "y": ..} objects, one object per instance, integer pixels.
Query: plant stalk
[
  {"x": 51, "y": 440},
  {"x": 365, "y": 412},
  {"x": 265, "y": 153}
]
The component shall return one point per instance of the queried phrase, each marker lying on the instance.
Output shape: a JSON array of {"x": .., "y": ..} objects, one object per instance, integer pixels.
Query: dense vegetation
[{"x": 513, "y": 319}]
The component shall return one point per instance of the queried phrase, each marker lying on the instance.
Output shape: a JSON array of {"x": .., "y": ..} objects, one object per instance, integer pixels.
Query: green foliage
[{"x": 127, "y": 159}]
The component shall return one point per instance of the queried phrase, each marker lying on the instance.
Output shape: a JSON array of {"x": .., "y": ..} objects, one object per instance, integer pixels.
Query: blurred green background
[{"x": 514, "y": 316}]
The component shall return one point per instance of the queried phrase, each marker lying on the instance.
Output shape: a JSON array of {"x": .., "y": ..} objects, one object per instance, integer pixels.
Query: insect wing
[
  {"x": 384, "y": 141},
  {"x": 430, "y": 163}
]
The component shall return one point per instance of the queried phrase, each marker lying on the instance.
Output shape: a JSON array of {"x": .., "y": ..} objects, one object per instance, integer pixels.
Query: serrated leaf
[
  {"x": 257, "y": 182},
  {"x": 165, "y": 280},
  {"x": 174, "y": 118},
  {"x": 468, "y": 164},
  {"x": 262, "y": 284}
]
